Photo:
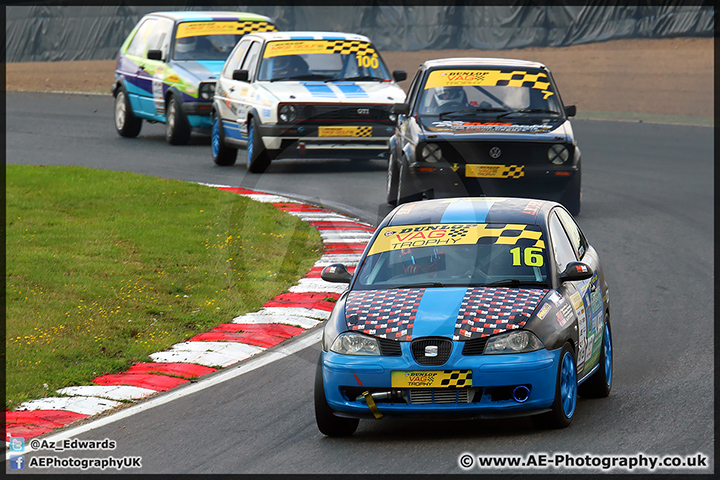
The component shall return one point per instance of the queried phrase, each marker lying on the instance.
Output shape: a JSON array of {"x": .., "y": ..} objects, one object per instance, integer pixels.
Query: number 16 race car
[
  {"x": 484, "y": 126},
  {"x": 467, "y": 308}
]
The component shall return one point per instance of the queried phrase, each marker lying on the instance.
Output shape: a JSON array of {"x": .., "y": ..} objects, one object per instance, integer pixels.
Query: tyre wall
[{"x": 62, "y": 33}]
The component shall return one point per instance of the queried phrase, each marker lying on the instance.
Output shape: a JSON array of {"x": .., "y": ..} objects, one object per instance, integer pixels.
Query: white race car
[{"x": 295, "y": 94}]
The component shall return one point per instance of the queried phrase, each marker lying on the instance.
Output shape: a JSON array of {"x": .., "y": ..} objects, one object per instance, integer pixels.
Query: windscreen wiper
[
  {"x": 514, "y": 282},
  {"x": 359, "y": 77},
  {"x": 473, "y": 110},
  {"x": 422, "y": 285},
  {"x": 307, "y": 76},
  {"x": 530, "y": 110}
]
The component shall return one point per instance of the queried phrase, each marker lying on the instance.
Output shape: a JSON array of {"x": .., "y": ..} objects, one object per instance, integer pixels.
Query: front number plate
[
  {"x": 345, "y": 131},
  {"x": 494, "y": 171},
  {"x": 432, "y": 379}
]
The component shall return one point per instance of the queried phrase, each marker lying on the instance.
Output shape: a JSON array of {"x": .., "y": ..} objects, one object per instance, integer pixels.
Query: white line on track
[{"x": 303, "y": 341}]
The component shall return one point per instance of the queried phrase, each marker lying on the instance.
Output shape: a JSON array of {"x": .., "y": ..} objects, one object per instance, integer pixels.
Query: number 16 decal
[{"x": 531, "y": 256}]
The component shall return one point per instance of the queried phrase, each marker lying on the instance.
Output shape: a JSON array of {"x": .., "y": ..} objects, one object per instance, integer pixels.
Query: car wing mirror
[
  {"x": 336, "y": 273},
  {"x": 400, "y": 108},
  {"x": 570, "y": 110},
  {"x": 576, "y": 271},
  {"x": 154, "y": 54},
  {"x": 399, "y": 75},
  {"x": 240, "y": 75}
]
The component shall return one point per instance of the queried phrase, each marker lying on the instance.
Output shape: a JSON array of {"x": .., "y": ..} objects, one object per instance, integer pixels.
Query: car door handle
[
  {"x": 232, "y": 89},
  {"x": 593, "y": 287},
  {"x": 142, "y": 67}
]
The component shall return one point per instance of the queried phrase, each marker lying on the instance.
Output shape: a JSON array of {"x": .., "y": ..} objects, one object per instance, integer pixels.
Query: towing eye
[{"x": 371, "y": 403}]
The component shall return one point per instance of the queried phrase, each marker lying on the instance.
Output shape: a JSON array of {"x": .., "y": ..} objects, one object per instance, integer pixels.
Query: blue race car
[
  {"x": 467, "y": 308},
  {"x": 168, "y": 65}
]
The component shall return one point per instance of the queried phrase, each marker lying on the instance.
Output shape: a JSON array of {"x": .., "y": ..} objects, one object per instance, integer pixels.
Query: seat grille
[{"x": 420, "y": 351}]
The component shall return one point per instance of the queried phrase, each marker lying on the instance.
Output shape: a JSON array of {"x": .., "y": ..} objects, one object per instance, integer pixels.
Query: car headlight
[
  {"x": 558, "y": 154},
  {"x": 518, "y": 341},
  {"x": 392, "y": 117},
  {"x": 207, "y": 90},
  {"x": 351, "y": 343},
  {"x": 287, "y": 113},
  {"x": 432, "y": 153}
]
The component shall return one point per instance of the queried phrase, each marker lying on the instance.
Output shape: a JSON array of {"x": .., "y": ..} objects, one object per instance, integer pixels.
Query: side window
[
  {"x": 414, "y": 87},
  {"x": 138, "y": 46},
  {"x": 233, "y": 63},
  {"x": 577, "y": 238},
  {"x": 251, "y": 58},
  {"x": 563, "y": 249},
  {"x": 160, "y": 36}
]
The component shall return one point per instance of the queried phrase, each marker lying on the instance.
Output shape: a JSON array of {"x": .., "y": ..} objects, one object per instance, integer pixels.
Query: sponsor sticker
[
  {"x": 494, "y": 171},
  {"x": 345, "y": 131},
  {"x": 303, "y": 47},
  {"x": 489, "y": 78},
  {"x": 432, "y": 379},
  {"x": 236, "y": 27},
  {"x": 544, "y": 311},
  {"x": 415, "y": 236},
  {"x": 470, "y": 127}
]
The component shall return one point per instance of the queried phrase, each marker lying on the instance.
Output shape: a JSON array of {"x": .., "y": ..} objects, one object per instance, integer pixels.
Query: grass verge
[{"x": 104, "y": 268}]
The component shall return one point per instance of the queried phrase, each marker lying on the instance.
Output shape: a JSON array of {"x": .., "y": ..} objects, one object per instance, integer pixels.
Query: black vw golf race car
[{"x": 484, "y": 127}]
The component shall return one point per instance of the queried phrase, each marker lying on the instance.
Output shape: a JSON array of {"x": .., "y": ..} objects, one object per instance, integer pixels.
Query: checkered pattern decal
[
  {"x": 487, "y": 311},
  {"x": 513, "y": 171},
  {"x": 384, "y": 313},
  {"x": 364, "y": 132},
  {"x": 522, "y": 79},
  {"x": 458, "y": 378},
  {"x": 347, "y": 46},
  {"x": 250, "y": 26}
]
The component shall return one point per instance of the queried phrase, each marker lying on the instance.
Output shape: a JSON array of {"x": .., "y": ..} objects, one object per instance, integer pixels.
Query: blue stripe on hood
[
  {"x": 352, "y": 90},
  {"x": 320, "y": 90},
  {"x": 438, "y": 311}
]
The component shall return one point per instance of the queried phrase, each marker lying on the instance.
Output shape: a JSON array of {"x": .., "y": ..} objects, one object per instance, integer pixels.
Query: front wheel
[
  {"x": 177, "y": 128},
  {"x": 600, "y": 383},
  {"x": 126, "y": 123},
  {"x": 403, "y": 196},
  {"x": 563, "y": 408},
  {"x": 258, "y": 159},
  {"x": 222, "y": 154},
  {"x": 327, "y": 422}
]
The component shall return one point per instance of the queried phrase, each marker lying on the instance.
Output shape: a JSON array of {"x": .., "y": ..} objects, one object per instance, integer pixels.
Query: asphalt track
[{"x": 647, "y": 208}]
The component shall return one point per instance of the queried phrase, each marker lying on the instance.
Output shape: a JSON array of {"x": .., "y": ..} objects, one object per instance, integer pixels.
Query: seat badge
[{"x": 431, "y": 351}]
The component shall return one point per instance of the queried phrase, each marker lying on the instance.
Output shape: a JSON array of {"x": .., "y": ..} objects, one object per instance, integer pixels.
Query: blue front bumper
[{"x": 493, "y": 378}]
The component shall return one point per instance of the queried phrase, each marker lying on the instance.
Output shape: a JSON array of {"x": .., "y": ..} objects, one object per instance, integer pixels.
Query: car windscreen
[
  {"x": 322, "y": 60},
  {"x": 500, "y": 91},
  {"x": 477, "y": 254},
  {"x": 213, "y": 40}
]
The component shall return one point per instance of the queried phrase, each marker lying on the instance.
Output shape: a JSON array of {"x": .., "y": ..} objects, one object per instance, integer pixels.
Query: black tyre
[
  {"x": 126, "y": 123},
  {"x": 258, "y": 159},
  {"x": 563, "y": 408},
  {"x": 403, "y": 193},
  {"x": 327, "y": 422},
  {"x": 392, "y": 181},
  {"x": 177, "y": 128},
  {"x": 572, "y": 199},
  {"x": 600, "y": 383},
  {"x": 222, "y": 154}
]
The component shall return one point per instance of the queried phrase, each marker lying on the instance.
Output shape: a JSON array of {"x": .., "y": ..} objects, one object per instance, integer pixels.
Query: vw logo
[
  {"x": 495, "y": 152},
  {"x": 431, "y": 351},
  {"x": 363, "y": 111}
]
